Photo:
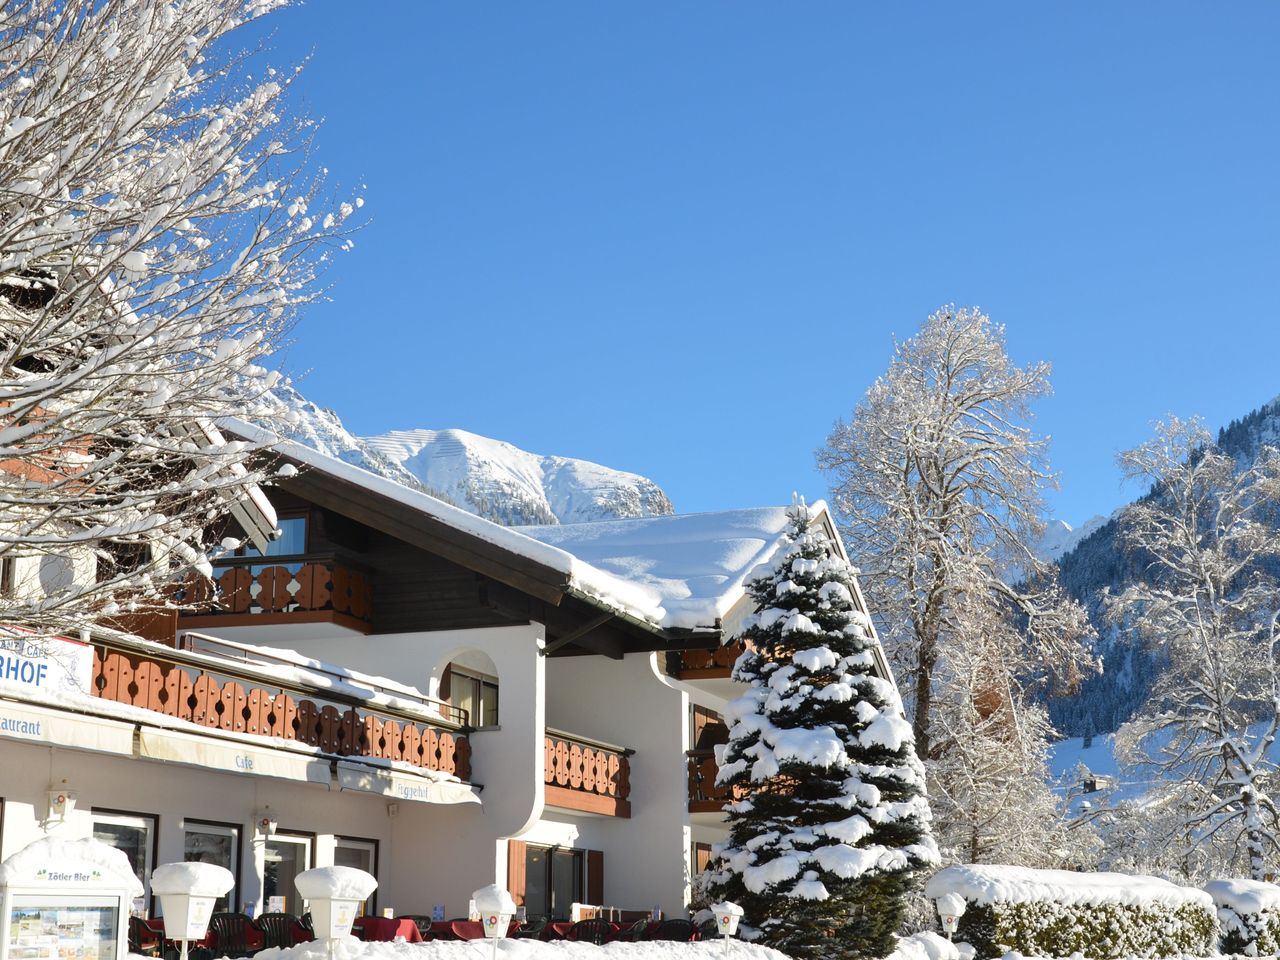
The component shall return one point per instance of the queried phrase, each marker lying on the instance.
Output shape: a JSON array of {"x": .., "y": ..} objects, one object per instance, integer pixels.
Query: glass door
[
  {"x": 286, "y": 856},
  {"x": 363, "y": 855},
  {"x": 217, "y": 843}
]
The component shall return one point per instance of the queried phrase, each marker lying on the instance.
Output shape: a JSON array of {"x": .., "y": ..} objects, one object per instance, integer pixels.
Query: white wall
[
  {"x": 173, "y": 792},
  {"x": 624, "y": 702},
  {"x": 507, "y": 759}
]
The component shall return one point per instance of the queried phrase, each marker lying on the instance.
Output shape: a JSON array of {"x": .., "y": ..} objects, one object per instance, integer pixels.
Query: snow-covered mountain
[
  {"x": 1060, "y": 537},
  {"x": 490, "y": 478},
  {"x": 498, "y": 480},
  {"x": 288, "y": 413},
  {"x": 1096, "y": 561}
]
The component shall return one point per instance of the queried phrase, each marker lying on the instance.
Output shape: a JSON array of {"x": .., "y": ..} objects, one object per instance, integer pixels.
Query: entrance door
[
  {"x": 286, "y": 856},
  {"x": 363, "y": 855}
]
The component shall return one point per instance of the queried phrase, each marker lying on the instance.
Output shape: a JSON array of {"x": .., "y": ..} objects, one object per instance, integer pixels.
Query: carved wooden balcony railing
[
  {"x": 260, "y": 590},
  {"x": 246, "y": 698},
  {"x": 587, "y": 775},
  {"x": 704, "y": 795},
  {"x": 716, "y": 664}
]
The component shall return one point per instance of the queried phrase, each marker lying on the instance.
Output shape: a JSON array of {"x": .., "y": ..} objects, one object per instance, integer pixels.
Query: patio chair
[
  {"x": 280, "y": 930},
  {"x": 143, "y": 940},
  {"x": 683, "y": 931},
  {"x": 709, "y": 930},
  {"x": 532, "y": 929},
  {"x": 595, "y": 931},
  {"x": 232, "y": 936},
  {"x": 635, "y": 931}
]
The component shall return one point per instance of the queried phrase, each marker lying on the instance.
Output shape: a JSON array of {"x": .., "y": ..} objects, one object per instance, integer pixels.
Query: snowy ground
[
  {"x": 352, "y": 949},
  {"x": 924, "y": 946}
]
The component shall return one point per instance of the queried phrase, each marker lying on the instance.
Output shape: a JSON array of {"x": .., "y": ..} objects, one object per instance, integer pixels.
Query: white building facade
[{"x": 406, "y": 688}]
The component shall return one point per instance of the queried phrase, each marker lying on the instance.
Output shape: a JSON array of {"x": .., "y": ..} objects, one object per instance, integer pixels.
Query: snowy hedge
[
  {"x": 1249, "y": 914},
  {"x": 1056, "y": 913}
]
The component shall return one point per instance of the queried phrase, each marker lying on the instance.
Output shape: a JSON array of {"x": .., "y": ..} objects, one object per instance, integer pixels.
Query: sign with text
[{"x": 46, "y": 666}]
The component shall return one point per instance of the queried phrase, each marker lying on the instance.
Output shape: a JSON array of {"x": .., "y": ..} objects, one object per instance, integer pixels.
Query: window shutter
[
  {"x": 701, "y": 857},
  {"x": 595, "y": 877},
  {"x": 446, "y": 682},
  {"x": 515, "y": 870}
]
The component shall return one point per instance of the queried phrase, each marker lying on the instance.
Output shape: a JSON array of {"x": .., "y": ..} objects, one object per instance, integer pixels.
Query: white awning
[
  {"x": 62, "y": 728},
  {"x": 232, "y": 756},
  {"x": 402, "y": 786}
]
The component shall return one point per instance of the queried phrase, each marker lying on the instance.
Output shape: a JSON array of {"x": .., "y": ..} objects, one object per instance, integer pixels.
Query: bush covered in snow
[
  {"x": 1057, "y": 913},
  {"x": 1249, "y": 912}
]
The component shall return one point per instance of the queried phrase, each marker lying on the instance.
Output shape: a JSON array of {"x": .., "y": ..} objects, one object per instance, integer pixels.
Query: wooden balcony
[
  {"x": 248, "y": 697},
  {"x": 587, "y": 775},
  {"x": 704, "y": 795},
  {"x": 714, "y": 664},
  {"x": 257, "y": 591}
]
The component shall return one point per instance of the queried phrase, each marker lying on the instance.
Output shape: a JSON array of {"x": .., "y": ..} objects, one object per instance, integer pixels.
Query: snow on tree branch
[{"x": 159, "y": 230}]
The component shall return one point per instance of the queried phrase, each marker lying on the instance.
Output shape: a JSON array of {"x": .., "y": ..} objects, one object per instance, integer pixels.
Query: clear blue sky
[{"x": 678, "y": 238}]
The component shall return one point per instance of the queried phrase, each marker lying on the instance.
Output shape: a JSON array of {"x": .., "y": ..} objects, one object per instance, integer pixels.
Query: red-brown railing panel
[
  {"x": 229, "y": 704},
  {"x": 586, "y": 768}
]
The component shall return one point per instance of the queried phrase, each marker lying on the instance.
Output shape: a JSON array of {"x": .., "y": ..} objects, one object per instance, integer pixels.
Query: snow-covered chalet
[{"x": 398, "y": 685}]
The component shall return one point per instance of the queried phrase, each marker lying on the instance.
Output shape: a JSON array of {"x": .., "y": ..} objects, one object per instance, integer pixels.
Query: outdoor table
[
  {"x": 557, "y": 930},
  {"x": 388, "y": 928}
]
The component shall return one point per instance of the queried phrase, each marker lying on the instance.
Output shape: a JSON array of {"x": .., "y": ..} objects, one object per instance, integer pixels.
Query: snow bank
[
  {"x": 26, "y": 864},
  {"x": 1244, "y": 896},
  {"x": 197, "y": 879},
  {"x": 346, "y": 883},
  {"x": 349, "y": 948},
  {"x": 925, "y": 946},
  {"x": 985, "y": 885}
]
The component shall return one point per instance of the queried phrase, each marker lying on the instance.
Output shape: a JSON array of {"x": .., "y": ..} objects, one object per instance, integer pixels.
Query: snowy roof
[
  {"x": 691, "y": 566},
  {"x": 675, "y": 573}
]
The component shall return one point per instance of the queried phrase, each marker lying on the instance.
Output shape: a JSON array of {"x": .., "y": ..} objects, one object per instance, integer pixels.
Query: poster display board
[
  {"x": 66, "y": 900},
  {"x": 64, "y": 928}
]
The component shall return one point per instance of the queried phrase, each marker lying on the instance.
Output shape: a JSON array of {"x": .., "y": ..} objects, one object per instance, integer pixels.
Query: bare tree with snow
[
  {"x": 1210, "y": 598},
  {"x": 937, "y": 484},
  {"x": 156, "y": 240}
]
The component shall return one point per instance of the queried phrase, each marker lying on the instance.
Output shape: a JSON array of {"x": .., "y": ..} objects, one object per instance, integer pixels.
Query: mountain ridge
[{"x": 490, "y": 478}]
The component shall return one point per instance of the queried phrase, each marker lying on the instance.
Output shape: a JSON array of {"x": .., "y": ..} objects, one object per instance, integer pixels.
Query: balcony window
[
  {"x": 292, "y": 542},
  {"x": 475, "y": 693}
]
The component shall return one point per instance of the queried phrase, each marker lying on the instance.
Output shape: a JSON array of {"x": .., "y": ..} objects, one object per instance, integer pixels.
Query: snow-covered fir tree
[{"x": 833, "y": 820}]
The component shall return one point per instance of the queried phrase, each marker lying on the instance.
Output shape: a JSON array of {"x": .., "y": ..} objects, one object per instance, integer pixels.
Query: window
[
  {"x": 475, "y": 693},
  {"x": 210, "y": 842},
  {"x": 292, "y": 541},
  {"x": 134, "y": 834},
  {"x": 363, "y": 855},
  {"x": 6, "y": 576},
  {"x": 286, "y": 856},
  {"x": 553, "y": 880}
]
